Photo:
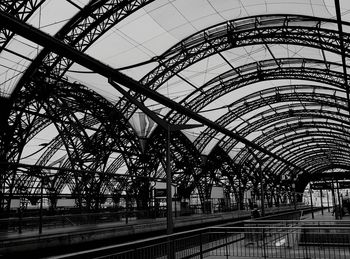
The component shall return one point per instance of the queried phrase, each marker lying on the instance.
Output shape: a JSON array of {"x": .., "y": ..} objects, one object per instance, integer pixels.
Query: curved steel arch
[
  {"x": 87, "y": 26},
  {"x": 302, "y": 142},
  {"x": 219, "y": 86},
  {"x": 325, "y": 168},
  {"x": 262, "y": 29},
  {"x": 242, "y": 156},
  {"x": 302, "y": 112},
  {"x": 303, "y": 150},
  {"x": 222, "y": 169},
  {"x": 320, "y": 153},
  {"x": 98, "y": 110},
  {"x": 84, "y": 29},
  {"x": 281, "y": 143},
  {"x": 296, "y": 121},
  {"x": 53, "y": 62},
  {"x": 185, "y": 162},
  {"x": 299, "y": 115},
  {"x": 200, "y": 45},
  {"x": 244, "y": 106},
  {"x": 22, "y": 10},
  {"x": 314, "y": 163},
  {"x": 283, "y": 68},
  {"x": 303, "y": 147},
  {"x": 113, "y": 133}
]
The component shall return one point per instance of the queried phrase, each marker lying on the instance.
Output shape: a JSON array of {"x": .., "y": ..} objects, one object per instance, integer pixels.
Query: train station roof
[{"x": 272, "y": 72}]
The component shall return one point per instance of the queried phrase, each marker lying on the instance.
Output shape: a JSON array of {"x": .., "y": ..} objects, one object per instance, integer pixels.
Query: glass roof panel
[
  {"x": 53, "y": 14},
  {"x": 164, "y": 23},
  {"x": 15, "y": 59},
  {"x": 149, "y": 32},
  {"x": 213, "y": 142},
  {"x": 94, "y": 81}
]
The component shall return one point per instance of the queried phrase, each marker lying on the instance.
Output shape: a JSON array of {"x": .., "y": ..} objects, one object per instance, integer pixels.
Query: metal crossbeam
[
  {"x": 240, "y": 108},
  {"x": 61, "y": 48},
  {"x": 37, "y": 169},
  {"x": 342, "y": 49}
]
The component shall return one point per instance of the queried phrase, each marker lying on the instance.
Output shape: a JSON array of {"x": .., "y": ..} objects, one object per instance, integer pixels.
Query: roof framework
[{"x": 269, "y": 85}]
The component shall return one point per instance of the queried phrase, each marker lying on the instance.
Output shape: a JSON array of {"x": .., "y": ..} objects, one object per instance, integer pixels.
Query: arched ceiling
[{"x": 274, "y": 73}]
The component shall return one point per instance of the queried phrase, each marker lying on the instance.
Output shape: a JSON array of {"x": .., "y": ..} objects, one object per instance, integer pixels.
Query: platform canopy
[{"x": 273, "y": 73}]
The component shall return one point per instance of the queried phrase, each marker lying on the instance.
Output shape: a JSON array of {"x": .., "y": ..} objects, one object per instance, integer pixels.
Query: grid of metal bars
[{"x": 255, "y": 239}]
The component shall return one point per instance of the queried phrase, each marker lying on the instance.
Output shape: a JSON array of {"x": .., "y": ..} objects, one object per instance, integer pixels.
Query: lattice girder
[
  {"x": 299, "y": 116},
  {"x": 185, "y": 159},
  {"x": 322, "y": 121},
  {"x": 100, "y": 111},
  {"x": 81, "y": 32},
  {"x": 225, "y": 166},
  {"x": 200, "y": 45},
  {"x": 280, "y": 168},
  {"x": 219, "y": 86},
  {"x": 244, "y": 106},
  {"x": 20, "y": 9}
]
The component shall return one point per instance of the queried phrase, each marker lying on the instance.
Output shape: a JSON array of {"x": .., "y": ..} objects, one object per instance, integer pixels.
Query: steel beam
[
  {"x": 76, "y": 171},
  {"x": 342, "y": 49},
  {"x": 60, "y": 48}
]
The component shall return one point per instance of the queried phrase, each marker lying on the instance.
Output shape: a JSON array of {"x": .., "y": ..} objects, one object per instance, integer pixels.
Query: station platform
[
  {"x": 321, "y": 236},
  {"x": 326, "y": 215},
  {"x": 94, "y": 235}
]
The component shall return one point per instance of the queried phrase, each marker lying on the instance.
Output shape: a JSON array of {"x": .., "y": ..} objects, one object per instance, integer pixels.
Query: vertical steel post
[
  {"x": 20, "y": 218},
  {"x": 262, "y": 191},
  {"x": 342, "y": 49},
  {"x": 175, "y": 203},
  {"x": 127, "y": 210},
  {"x": 328, "y": 201},
  {"x": 312, "y": 207},
  {"x": 226, "y": 244},
  {"x": 339, "y": 201},
  {"x": 239, "y": 193},
  {"x": 294, "y": 196},
  {"x": 2, "y": 194},
  {"x": 263, "y": 242},
  {"x": 321, "y": 196},
  {"x": 201, "y": 245},
  {"x": 334, "y": 202},
  {"x": 41, "y": 206},
  {"x": 170, "y": 225}
]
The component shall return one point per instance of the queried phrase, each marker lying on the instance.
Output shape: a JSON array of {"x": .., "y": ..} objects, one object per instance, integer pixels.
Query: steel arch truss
[
  {"x": 41, "y": 98},
  {"x": 325, "y": 115},
  {"x": 274, "y": 29},
  {"x": 298, "y": 68},
  {"x": 22, "y": 10},
  {"x": 90, "y": 130}
]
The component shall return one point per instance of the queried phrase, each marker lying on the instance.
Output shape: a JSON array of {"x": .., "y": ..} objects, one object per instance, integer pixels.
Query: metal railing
[
  {"x": 25, "y": 222},
  {"x": 252, "y": 239},
  {"x": 312, "y": 241}
]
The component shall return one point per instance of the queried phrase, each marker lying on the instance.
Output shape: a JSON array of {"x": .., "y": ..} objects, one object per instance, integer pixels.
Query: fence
[
  {"x": 254, "y": 239},
  {"x": 30, "y": 221},
  {"x": 282, "y": 242}
]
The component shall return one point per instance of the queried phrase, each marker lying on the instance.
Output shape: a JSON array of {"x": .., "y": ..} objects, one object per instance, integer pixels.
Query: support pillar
[
  {"x": 339, "y": 202},
  {"x": 170, "y": 224},
  {"x": 334, "y": 201},
  {"x": 321, "y": 201},
  {"x": 41, "y": 206},
  {"x": 262, "y": 191},
  {"x": 312, "y": 207},
  {"x": 328, "y": 201}
]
